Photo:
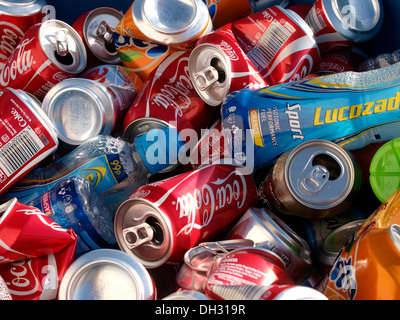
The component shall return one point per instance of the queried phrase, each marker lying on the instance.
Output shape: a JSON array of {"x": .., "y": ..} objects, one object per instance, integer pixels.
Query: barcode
[
  {"x": 239, "y": 292},
  {"x": 19, "y": 150},
  {"x": 314, "y": 21},
  {"x": 270, "y": 43}
]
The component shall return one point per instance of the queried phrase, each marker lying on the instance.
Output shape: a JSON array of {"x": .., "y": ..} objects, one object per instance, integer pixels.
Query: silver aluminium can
[
  {"x": 335, "y": 22},
  {"x": 316, "y": 179},
  {"x": 268, "y": 231},
  {"x": 63, "y": 46},
  {"x": 336, "y": 241},
  {"x": 172, "y": 22},
  {"x": 82, "y": 108},
  {"x": 106, "y": 274},
  {"x": 197, "y": 261},
  {"x": 98, "y": 31}
]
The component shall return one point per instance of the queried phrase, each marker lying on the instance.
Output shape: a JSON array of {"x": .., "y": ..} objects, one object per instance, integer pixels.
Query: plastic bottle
[
  {"x": 115, "y": 167},
  {"x": 73, "y": 204},
  {"x": 351, "y": 109},
  {"x": 380, "y": 61}
]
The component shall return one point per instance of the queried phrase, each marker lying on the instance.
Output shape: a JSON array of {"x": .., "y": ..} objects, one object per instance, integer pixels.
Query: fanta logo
[
  {"x": 18, "y": 66},
  {"x": 10, "y": 36},
  {"x": 343, "y": 276},
  {"x": 198, "y": 208}
]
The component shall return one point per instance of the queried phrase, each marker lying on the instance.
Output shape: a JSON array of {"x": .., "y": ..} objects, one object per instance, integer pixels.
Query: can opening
[
  {"x": 110, "y": 47},
  {"x": 217, "y": 64},
  {"x": 158, "y": 236},
  {"x": 65, "y": 60},
  {"x": 329, "y": 163}
]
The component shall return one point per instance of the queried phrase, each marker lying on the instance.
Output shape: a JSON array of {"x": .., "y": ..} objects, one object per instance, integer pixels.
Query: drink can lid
[
  {"x": 105, "y": 274},
  {"x": 80, "y": 109},
  {"x": 101, "y": 18},
  {"x": 385, "y": 170},
  {"x": 320, "y": 174},
  {"x": 21, "y": 7}
]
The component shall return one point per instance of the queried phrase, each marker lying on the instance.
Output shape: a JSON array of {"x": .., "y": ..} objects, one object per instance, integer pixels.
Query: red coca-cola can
[
  {"x": 197, "y": 261},
  {"x": 212, "y": 147},
  {"x": 27, "y": 136},
  {"x": 169, "y": 100},
  {"x": 246, "y": 266},
  {"x": 161, "y": 221},
  {"x": 35, "y": 252},
  {"x": 273, "y": 292},
  {"x": 96, "y": 28},
  {"x": 338, "y": 24},
  {"x": 275, "y": 43},
  {"x": 48, "y": 53},
  {"x": 16, "y": 18},
  {"x": 218, "y": 66}
]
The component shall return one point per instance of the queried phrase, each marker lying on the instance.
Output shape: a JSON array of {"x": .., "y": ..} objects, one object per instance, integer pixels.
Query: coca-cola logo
[
  {"x": 176, "y": 92},
  {"x": 199, "y": 207},
  {"x": 229, "y": 51},
  {"x": 43, "y": 218},
  {"x": 21, "y": 120},
  {"x": 21, "y": 279},
  {"x": 60, "y": 76},
  {"x": 10, "y": 36},
  {"x": 21, "y": 61}
]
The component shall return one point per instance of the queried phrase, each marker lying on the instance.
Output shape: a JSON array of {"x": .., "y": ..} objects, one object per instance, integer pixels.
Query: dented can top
[
  {"x": 63, "y": 46},
  {"x": 105, "y": 274},
  {"x": 144, "y": 232},
  {"x": 80, "y": 109},
  {"x": 98, "y": 29},
  {"x": 171, "y": 22},
  {"x": 21, "y": 7},
  {"x": 356, "y": 20},
  {"x": 320, "y": 174},
  {"x": 210, "y": 72}
]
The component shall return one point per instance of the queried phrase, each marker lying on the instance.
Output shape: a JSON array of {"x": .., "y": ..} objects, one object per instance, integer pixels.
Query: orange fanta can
[
  {"x": 368, "y": 268},
  {"x": 173, "y": 23},
  {"x": 140, "y": 56}
]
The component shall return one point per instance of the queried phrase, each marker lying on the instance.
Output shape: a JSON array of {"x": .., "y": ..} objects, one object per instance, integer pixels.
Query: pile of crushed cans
[{"x": 306, "y": 209}]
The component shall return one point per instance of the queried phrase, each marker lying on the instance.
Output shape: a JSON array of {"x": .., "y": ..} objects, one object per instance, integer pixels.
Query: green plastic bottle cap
[{"x": 385, "y": 170}]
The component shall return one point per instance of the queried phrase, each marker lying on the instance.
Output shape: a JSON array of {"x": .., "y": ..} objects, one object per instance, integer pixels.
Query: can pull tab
[
  {"x": 206, "y": 77},
  {"x": 105, "y": 32},
  {"x": 315, "y": 179},
  {"x": 61, "y": 36},
  {"x": 137, "y": 235}
]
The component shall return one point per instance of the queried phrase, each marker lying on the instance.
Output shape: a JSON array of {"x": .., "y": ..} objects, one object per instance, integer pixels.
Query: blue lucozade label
[{"x": 344, "y": 108}]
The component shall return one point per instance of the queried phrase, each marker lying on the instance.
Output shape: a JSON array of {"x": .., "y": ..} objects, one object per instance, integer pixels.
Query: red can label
[
  {"x": 242, "y": 72},
  {"x": 279, "y": 47},
  {"x": 200, "y": 204},
  {"x": 169, "y": 96},
  {"x": 328, "y": 38},
  {"x": 35, "y": 252},
  {"x": 29, "y": 69},
  {"x": 24, "y": 140},
  {"x": 12, "y": 29}
]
